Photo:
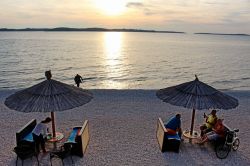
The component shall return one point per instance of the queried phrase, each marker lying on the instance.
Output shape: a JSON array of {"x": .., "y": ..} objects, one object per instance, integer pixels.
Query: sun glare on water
[
  {"x": 114, "y": 61},
  {"x": 111, "y": 7}
]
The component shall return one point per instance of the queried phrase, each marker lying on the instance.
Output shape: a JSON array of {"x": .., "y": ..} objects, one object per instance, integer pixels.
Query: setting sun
[{"x": 111, "y": 7}]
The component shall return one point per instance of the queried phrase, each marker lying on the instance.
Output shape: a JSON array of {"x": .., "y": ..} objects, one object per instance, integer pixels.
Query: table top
[
  {"x": 59, "y": 137},
  {"x": 195, "y": 134}
]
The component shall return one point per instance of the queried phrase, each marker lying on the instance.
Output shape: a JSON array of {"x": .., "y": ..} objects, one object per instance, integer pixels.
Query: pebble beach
[{"x": 123, "y": 130}]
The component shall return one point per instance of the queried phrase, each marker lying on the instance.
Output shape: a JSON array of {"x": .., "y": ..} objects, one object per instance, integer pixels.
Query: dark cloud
[{"x": 134, "y": 5}]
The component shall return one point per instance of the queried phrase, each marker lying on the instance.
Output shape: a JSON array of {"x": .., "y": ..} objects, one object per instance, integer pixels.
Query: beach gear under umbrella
[
  {"x": 48, "y": 96},
  {"x": 197, "y": 96}
]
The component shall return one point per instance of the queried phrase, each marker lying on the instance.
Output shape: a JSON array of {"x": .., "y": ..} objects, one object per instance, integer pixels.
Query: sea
[{"x": 124, "y": 60}]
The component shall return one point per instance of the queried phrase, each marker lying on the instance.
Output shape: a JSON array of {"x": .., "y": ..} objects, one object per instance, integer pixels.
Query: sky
[{"x": 220, "y": 16}]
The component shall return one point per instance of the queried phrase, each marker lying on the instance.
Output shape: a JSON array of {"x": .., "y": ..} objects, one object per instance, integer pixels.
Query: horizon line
[{"x": 101, "y": 29}]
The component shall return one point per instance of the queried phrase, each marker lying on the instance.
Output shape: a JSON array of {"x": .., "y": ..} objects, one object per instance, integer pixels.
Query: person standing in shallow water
[{"x": 78, "y": 79}]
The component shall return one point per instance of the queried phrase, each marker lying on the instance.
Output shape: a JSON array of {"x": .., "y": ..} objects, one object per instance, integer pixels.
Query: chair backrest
[
  {"x": 26, "y": 129},
  {"x": 84, "y": 133},
  {"x": 81, "y": 140},
  {"x": 229, "y": 134},
  {"x": 230, "y": 137},
  {"x": 160, "y": 133}
]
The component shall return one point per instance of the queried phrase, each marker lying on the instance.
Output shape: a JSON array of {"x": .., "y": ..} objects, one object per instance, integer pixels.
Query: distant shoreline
[
  {"x": 225, "y": 34},
  {"x": 65, "y": 29}
]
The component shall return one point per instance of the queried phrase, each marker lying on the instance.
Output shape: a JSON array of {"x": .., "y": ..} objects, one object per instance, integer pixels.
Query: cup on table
[{"x": 49, "y": 135}]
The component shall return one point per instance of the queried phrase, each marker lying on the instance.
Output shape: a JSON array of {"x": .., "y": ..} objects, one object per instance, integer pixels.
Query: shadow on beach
[
  {"x": 44, "y": 160},
  {"x": 194, "y": 154}
]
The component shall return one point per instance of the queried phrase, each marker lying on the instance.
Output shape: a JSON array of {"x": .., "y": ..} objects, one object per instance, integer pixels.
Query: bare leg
[
  {"x": 43, "y": 145},
  {"x": 203, "y": 140}
]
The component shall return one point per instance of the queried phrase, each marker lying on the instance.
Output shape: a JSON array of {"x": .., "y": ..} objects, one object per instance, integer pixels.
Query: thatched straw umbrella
[
  {"x": 48, "y": 96},
  {"x": 197, "y": 96}
]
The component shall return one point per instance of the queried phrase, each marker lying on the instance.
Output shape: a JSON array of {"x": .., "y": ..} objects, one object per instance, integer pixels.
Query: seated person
[
  {"x": 209, "y": 123},
  {"x": 173, "y": 126},
  {"x": 218, "y": 131}
]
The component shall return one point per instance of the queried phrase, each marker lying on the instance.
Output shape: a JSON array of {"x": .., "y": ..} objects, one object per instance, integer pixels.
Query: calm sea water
[{"x": 113, "y": 60}]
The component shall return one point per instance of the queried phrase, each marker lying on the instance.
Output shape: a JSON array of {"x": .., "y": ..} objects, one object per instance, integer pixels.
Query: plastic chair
[
  {"x": 64, "y": 152},
  {"x": 25, "y": 150}
]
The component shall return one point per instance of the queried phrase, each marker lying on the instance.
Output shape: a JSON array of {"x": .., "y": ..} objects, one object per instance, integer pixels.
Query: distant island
[
  {"x": 231, "y": 34},
  {"x": 65, "y": 29},
  {"x": 96, "y": 29}
]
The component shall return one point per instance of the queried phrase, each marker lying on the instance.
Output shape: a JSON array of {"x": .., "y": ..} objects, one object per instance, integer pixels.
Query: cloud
[
  {"x": 236, "y": 17},
  {"x": 147, "y": 10},
  {"x": 216, "y": 3},
  {"x": 179, "y": 14},
  {"x": 134, "y": 5}
]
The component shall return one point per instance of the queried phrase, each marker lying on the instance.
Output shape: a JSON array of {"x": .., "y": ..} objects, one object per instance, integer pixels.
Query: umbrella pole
[
  {"x": 53, "y": 125},
  {"x": 192, "y": 123}
]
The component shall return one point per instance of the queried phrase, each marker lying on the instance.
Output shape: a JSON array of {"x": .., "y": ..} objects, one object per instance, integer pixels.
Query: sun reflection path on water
[{"x": 114, "y": 60}]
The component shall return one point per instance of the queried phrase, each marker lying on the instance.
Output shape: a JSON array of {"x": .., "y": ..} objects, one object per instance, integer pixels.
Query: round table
[
  {"x": 195, "y": 134},
  {"x": 59, "y": 137}
]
